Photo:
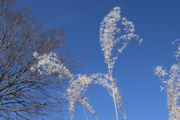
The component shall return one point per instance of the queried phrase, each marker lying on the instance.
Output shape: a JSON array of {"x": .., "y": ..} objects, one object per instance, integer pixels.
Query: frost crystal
[{"x": 159, "y": 71}]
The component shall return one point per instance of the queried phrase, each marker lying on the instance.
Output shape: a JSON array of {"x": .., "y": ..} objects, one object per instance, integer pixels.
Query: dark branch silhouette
[{"x": 25, "y": 94}]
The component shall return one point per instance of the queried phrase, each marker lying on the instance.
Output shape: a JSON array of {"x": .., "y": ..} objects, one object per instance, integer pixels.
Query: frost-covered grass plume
[
  {"x": 108, "y": 31},
  {"x": 171, "y": 83}
]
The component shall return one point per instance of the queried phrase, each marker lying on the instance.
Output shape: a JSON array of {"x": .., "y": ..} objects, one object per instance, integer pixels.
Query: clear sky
[{"x": 156, "y": 21}]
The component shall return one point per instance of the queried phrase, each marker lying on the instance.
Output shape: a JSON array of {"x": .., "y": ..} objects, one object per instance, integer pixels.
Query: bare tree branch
[{"x": 25, "y": 93}]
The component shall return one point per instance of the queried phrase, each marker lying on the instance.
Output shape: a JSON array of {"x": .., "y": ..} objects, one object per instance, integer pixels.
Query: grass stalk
[{"x": 83, "y": 108}]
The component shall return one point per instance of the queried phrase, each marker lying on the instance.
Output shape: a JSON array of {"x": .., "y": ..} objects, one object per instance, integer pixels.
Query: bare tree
[{"x": 26, "y": 94}]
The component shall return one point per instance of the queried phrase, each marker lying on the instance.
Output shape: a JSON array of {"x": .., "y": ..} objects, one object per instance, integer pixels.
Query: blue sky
[{"x": 156, "y": 21}]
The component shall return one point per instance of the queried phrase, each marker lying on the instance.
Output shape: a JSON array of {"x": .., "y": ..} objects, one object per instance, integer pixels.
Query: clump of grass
[{"x": 78, "y": 84}]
